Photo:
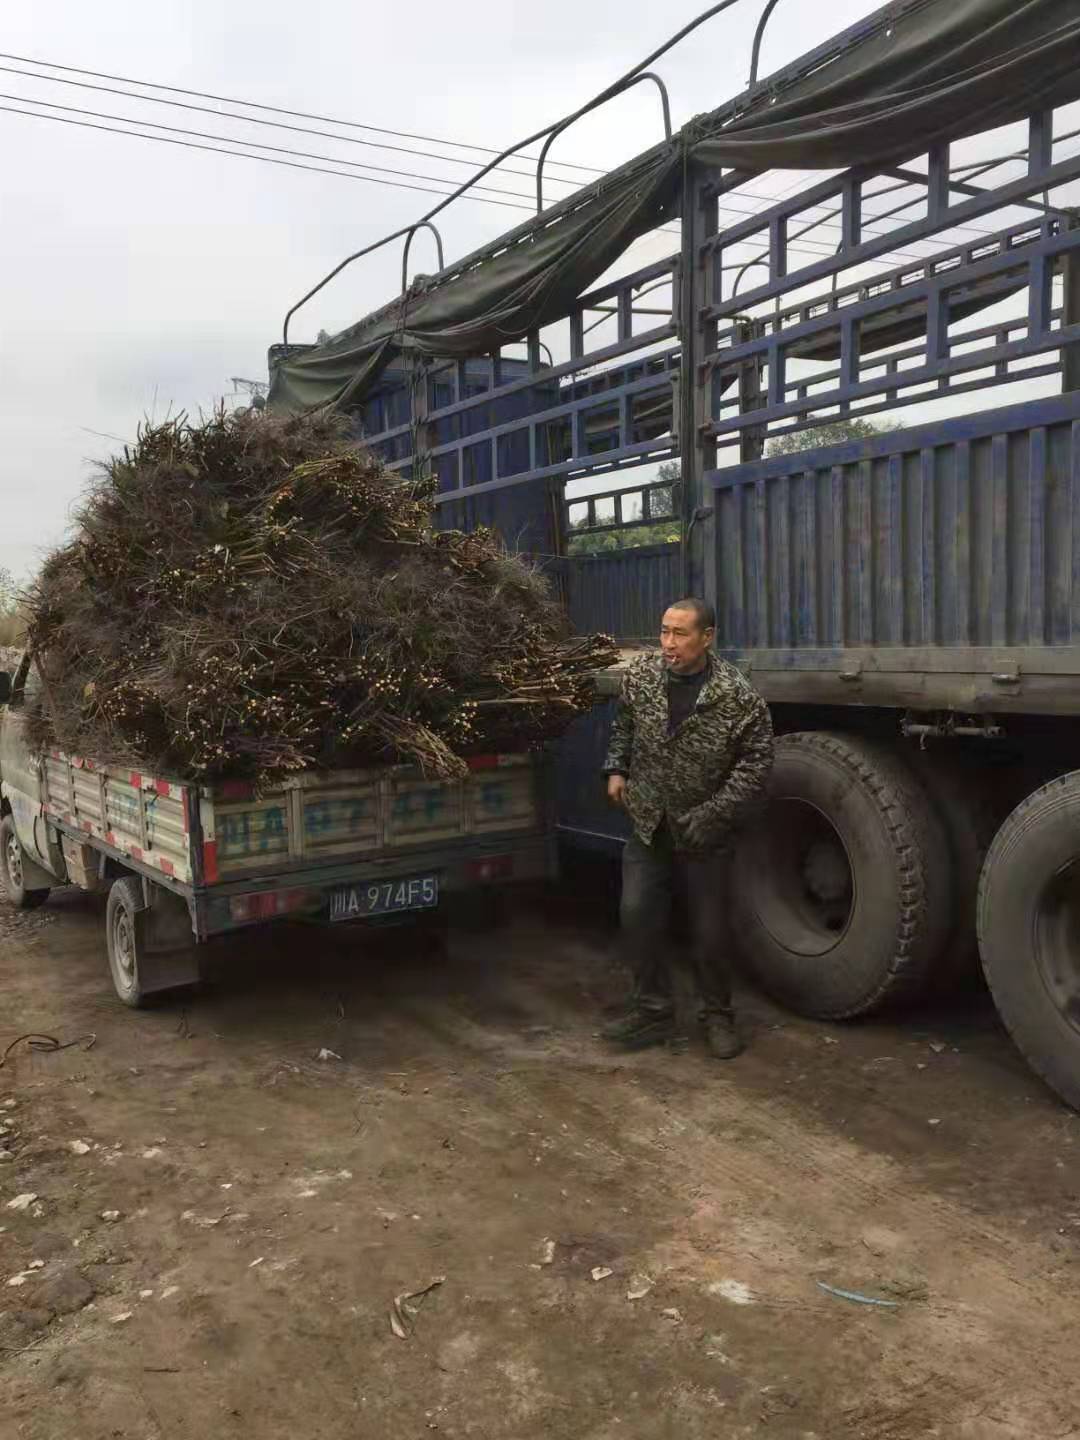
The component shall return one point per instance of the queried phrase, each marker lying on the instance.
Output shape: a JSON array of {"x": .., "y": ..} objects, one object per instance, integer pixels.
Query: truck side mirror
[{"x": 5, "y": 687}]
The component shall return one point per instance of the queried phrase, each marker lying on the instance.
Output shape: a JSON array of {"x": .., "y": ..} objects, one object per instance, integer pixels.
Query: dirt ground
[{"x": 221, "y": 1220}]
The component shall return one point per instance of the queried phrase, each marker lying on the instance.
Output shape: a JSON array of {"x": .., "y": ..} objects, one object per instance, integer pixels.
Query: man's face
[{"x": 683, "y": 642}]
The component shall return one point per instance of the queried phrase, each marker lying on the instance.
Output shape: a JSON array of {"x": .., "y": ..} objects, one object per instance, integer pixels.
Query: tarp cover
[{"x": 949, "y": 69}]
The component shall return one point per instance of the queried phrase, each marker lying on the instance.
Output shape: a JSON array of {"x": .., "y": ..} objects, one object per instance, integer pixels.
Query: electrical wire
[
  {"x": 240, "y": 155},
  {"x": 254, "y": 144},
  {"x": 254, "y": 120},
  {"x": 274, "y": 109}
]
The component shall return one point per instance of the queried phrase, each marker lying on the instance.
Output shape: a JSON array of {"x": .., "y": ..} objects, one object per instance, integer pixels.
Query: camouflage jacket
[{"x": 709, "y": 772}]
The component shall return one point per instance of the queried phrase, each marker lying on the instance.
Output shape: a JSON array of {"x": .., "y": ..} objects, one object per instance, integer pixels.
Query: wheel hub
[
  {"x": 124, "y": 948},
  {"x": 14, "y": 861},
  {"x": 826, "y": 872},
  {"x": 804, "y": 881}
]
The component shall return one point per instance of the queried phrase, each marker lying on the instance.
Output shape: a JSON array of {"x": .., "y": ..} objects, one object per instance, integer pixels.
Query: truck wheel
[
  {"x": 966, "y": 800},
  {"x": 125, "y": 929},
  {"x": 842, "y": 890},
  {"x": 11, "y": 860},
  {"x": 1029, "y": 931}
]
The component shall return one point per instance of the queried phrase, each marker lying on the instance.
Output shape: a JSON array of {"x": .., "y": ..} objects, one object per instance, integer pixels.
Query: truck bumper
[{"x": 305, "y": 896}]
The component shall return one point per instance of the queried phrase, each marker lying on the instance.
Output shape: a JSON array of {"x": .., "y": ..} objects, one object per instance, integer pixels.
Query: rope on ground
[{"x": 47, "y": 1044}]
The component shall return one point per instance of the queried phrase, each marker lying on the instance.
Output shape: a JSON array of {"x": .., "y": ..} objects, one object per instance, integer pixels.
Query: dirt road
[{"x": 222, "y": 1220}]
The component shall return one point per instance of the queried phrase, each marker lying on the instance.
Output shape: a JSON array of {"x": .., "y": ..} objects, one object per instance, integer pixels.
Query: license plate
[{"x": 384, "y": 897}]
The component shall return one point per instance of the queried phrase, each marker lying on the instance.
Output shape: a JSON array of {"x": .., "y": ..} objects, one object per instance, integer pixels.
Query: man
[{"x": 690, "y": 753}]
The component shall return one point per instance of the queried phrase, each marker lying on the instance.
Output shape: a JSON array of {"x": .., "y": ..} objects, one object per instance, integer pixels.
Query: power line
[
  {"x": 811, "y": 247},
  {"x": 246, "y": 119},
  {"x": 252, "y": 144},
  {"x": 273, "y": 109},
  {"x": 241, "y": 155}
]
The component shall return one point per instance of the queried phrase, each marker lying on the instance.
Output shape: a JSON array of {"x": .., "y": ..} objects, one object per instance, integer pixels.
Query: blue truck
[{"x": 907, "y": 599}]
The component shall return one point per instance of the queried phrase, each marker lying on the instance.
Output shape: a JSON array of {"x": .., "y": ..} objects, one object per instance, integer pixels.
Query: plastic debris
[
  {"x": 933, "y": 1122},
  {"x": 547, "y": 1253},
  {"x": 601, "y": 1272},
  {"x": 938, "y": 1047},
  {"x": 325, "y": 1054},
  {"x": 855, "y": 1295},
  {"x": 170, "y": 1290},
  {"x": 22, "y": 1277},
  {"x": 403, "y": 1315},
  {"x": 204, "y": 1222},
  {"x": 122, "y": 1317},
  {"x": 672, "y": 1314},
  {"x": 152, "y": 1152},
  {"x": 78, "y": 1147},
  {"x": 21, "y": 1202},
  {"x": 639, "y": 1287},
  {"x": 110, "y": 1216},
  {"x": 733, "y": 1290},
  {"x": 145, "y": 1294},
  {"x": 259, "y": 1261}
]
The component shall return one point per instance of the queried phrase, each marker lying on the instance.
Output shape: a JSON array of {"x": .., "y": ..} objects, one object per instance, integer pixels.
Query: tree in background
[
  {"x": 664, "y": 532},
  {"x": 10, "y": 618},
  {"x": 836, "y": 432}
]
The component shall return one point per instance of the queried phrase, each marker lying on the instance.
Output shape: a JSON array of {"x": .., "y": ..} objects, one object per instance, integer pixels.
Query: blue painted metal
[
  {"x": 957, "y": 533},
  {"x": 622, "y": 592},
  {"x": 581, "y": 792}
]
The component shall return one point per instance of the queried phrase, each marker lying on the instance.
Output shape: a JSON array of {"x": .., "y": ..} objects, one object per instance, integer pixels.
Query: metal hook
[
  {"x": 558, "y": 130},
  {"x": 420, "y": 225}
]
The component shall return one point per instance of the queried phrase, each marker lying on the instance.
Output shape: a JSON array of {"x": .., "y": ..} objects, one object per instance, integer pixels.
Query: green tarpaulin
[{"x": 948, "y": 69}]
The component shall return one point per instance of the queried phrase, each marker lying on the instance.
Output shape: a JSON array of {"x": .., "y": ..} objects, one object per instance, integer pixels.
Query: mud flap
[
  {"x": 35, "y": 876},
  {"x": 170, "y": 956}
]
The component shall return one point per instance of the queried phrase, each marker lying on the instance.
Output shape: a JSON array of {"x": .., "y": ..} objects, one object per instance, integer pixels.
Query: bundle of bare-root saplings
[{"x": 252, "y": 595}]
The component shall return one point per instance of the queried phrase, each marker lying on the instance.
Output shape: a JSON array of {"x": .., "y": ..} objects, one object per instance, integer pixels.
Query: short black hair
[{"x": 703, "y": 612}]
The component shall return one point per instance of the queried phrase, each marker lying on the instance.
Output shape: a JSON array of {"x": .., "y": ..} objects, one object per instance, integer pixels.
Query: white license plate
[{"x": 384, "y": 897}]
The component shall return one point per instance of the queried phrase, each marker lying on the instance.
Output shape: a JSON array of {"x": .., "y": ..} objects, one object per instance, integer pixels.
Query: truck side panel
[
  {"x": 930, "y": 567},
  {"x": 136, "y": 815}
]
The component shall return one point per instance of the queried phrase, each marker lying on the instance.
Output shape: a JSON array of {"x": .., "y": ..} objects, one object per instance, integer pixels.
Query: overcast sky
[{"x": 138, "y": 277}]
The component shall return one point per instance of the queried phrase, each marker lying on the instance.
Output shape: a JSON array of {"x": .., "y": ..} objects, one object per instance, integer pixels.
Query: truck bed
[{"x": 200, "y": 837}]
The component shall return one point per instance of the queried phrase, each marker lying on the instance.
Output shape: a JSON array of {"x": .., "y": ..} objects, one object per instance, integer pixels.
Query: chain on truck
[{"x": 885, "y": 228}]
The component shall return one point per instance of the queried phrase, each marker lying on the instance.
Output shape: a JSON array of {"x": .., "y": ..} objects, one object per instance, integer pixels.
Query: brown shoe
[{"x": 722, "y": 1039}]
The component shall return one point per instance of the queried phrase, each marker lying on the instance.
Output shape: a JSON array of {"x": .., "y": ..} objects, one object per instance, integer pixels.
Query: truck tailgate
[{"x": 323, "y": 817}]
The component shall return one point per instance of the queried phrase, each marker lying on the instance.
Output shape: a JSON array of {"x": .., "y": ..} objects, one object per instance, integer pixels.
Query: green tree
[
  {"x": 664, "y": 532},
  {"x": 836, "y": 432}
]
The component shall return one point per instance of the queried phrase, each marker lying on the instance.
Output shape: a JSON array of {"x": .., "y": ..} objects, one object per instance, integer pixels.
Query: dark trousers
[{"x": 653, "y": 878}]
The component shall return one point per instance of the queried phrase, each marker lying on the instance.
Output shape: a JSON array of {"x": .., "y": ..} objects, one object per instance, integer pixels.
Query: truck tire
[
  {"x": 842, "y": 892},
  {"x": 11, "y": 863},
  {"x": 967, "y": 803},
  {"x": 1028, "y": 921},
  {"x": 125, "y": 931}
]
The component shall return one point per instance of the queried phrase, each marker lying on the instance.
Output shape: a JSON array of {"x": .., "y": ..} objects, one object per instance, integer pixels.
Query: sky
[{"x": 139, "y": 277}]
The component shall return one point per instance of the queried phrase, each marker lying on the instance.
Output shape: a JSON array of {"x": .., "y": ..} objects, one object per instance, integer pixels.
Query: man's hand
[
  {"x": 698, "y": 829},
  {"x": 616, "y": 789}
]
